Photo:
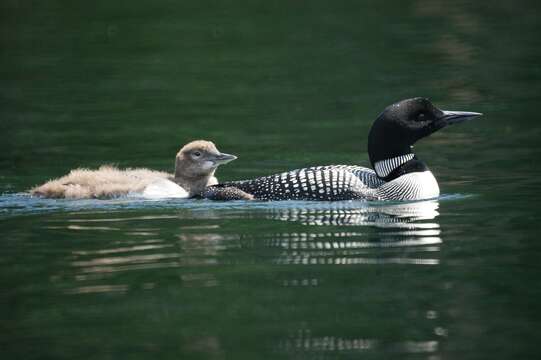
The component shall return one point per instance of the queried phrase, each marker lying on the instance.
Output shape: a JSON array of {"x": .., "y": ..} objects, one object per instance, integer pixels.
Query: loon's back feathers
[
  {"x": 331, "y": 183},
  {"x": 398, "y": 174}
]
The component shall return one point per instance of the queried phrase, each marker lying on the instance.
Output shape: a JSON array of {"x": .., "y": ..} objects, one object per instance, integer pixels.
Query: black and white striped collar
[{"x": 384, "y": 167}]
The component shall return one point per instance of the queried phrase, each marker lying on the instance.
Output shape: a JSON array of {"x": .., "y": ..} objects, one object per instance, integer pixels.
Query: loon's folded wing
[
  {"x": 330, "y": 183},
  {"x": 367, "y": 176},
  {"x": 225, "y": 193}
]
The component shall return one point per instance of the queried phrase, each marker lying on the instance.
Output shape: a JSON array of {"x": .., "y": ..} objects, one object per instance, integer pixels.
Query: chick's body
[{"x": 195, "y": 165}]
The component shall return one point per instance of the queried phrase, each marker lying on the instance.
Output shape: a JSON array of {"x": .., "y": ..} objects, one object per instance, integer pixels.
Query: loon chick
[
  {"x": 398, "y": 175},
  {"x": 195, "y": 165}
]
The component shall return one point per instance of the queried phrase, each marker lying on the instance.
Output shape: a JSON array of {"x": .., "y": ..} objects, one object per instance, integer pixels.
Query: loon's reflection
[
  {"x": 303, "y": 340},
  {"x": 288, "y": 256},
  {"x": 330, "y": 234},
  {"x": 402, "y": 233},
  {"x": 397, "y": 215}
]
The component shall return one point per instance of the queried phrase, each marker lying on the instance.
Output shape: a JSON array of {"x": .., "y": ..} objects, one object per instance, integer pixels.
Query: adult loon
[
  {"x": 398, "y": 174},
  {"x": 195, "y": 165}
]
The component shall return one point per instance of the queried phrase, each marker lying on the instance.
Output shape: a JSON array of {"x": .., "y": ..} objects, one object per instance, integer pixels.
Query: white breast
[
  {"x": 411, "y": 186},
  {"x": 164, "y": 188}
]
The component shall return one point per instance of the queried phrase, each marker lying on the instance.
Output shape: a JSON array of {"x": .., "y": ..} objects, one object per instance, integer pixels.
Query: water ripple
[
  {"x": 189, "y": 236},
  {"x": 13, "y": 204}
]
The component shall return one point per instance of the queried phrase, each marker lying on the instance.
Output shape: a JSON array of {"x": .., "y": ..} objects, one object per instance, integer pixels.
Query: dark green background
[{"x": 281, "y": 84}]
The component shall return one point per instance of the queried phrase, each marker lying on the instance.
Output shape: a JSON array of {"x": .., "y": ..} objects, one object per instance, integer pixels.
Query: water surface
[{"x": 282, "y": 85}]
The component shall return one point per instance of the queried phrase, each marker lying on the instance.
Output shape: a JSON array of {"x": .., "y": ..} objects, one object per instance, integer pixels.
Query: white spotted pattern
[
  {"x": 333, "y": 182},
  {"x": 339, "y": 182}
]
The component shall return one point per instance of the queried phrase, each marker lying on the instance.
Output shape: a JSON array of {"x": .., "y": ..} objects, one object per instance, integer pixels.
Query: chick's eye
[{"x": 197, "y": 153}]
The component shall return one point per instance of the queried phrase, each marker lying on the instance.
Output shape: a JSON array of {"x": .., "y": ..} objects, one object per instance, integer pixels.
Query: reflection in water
[
  {"x": 399, "y": 233},
  {"x": 403, "y": 226},
  {"x": 98, "y": 289},
  {"x": 392, "y": 215},
  {"x": 196, "y": 245},
  {"x": 303, "y": 341}
]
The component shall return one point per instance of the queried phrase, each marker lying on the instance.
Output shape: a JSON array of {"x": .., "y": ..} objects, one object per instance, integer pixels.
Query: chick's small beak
[
  {"x": 223, "y": 158},
  {"x": 455, "y": 117}
]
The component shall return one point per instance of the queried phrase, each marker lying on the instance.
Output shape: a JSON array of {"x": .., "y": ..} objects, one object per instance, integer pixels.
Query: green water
[{"x": 281, "y": 84}]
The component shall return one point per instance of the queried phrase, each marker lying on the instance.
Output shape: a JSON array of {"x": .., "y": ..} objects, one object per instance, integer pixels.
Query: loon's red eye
[{"x": 421, "y": 117}]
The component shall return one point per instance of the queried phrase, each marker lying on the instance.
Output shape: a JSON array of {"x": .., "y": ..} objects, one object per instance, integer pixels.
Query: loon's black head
[{"x": 402, "y": 124}]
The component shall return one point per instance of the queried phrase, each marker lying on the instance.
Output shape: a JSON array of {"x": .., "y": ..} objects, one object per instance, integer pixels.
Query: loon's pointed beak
[
  {"x": 224, "y": 158},
  {"x": 455, "y": 117}
]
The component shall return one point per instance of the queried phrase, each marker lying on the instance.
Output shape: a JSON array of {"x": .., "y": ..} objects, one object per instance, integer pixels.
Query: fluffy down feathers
[
  {"x": 105, "y": 182},
  {"x": 195, "y": 165}
]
